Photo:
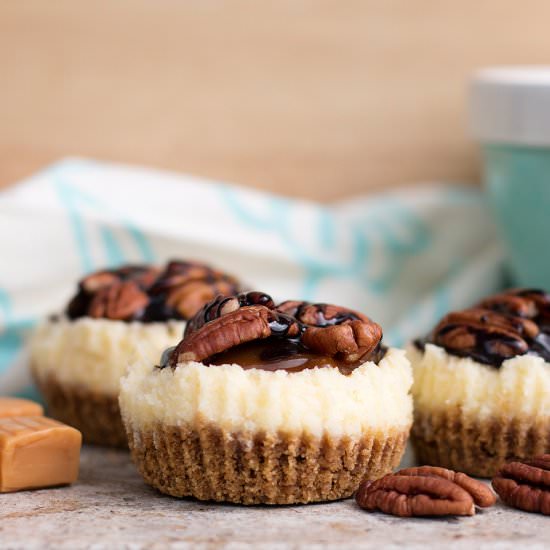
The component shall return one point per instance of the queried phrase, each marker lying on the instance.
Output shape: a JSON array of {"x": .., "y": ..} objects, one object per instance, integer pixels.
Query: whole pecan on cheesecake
[
  {"x": 183, "y": 287},
  {"x": 526, "y": 484},
  {"x": 334, "y": 330},
  {"x": 227, "y": 322},
  {"x": 499, "y": 327},
  {"x": 424, "y": 491},
  {"x": 528, "y": 303},
  {"x": 222, "y": 305},
  {"x": 494, "y": 335},
  {"x": 121, "y": 301},
  {"x": 115, "y": 293},
  {"x": 147, "y": 294}
]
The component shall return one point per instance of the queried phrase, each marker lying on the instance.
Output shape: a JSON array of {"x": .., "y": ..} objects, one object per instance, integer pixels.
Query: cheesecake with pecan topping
[
  {"x": 273, "y": 404},
  {"x": 482, "y": 384},
  {"x": 78, "y": 358}
]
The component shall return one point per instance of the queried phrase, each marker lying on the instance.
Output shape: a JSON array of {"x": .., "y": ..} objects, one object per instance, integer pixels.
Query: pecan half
[
  {"x": 321, "y": 329},
  {"x": 184, "y": 287},
  {"x": 122, "y": 301},
  {"x": 486, "y": 334},
  {"x": 335, "y": 331},
  {"x": 424, "y": 491},
  {"x": 320, "y": 315},
  {"x": 529, "y": 303},
  {"x": 223, "y": 305},
  {"x": 143, "y": 275},
  {"x": 177, "y": 292},
  {"x": 232, "y": 329},
  {"x": 525, "y": 485},
  {"x": 500, "y": 327},
  {"x": 90, "y": 285},
  {"x": 481, "y": 493}
]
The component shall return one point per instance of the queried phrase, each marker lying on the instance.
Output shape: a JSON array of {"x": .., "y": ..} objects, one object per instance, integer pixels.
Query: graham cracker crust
[
  {"x": 96, "y": 415},
  {"x": 479, "y": 448},
  {"x": 208, "y": 463}
]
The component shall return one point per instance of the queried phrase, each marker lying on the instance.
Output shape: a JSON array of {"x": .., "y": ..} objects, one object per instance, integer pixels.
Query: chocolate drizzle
[
  {"x": 251, "y": 331},
  {"x": 148, "y": 294},
  {"x": 506, "y": 325}
]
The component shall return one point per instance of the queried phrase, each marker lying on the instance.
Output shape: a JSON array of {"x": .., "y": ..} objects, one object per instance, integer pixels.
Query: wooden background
[{"x": 313, "y": 98}]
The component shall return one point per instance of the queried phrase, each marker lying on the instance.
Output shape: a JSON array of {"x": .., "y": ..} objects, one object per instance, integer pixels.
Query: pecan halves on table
[
  {"x": 525, "y": 485},
  {"x": 424, "y": 491},
  {"x": 480, "y": 492},
  {"x": 122, "y": 301},
  {"x": 408, "y": 496},
  {"x": 232, "y": 329}
]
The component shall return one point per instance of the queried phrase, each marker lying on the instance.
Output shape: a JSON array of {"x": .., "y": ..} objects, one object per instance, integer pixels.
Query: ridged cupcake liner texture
[
  {"x": 478, "y": 447},
  {"x": 209, "y": 463},
  {"x": 96, "y": 415}
]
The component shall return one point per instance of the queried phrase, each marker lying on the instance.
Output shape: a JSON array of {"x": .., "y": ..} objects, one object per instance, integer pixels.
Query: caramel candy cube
[
  {"x": 36, "y": 452},
  {"x": 12, "y": 406}
]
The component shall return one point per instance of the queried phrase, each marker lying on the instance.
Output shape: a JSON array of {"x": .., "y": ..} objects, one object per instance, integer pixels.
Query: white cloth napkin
[{"x": 404, "y": 258}]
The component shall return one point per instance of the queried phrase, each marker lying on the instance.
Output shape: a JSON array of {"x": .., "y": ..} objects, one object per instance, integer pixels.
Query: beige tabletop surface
[
  {"x": 318, "y": 99},
  {"x": 110, "y": 507}
]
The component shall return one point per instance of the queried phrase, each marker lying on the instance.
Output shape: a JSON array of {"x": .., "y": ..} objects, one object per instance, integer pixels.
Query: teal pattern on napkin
[{"x": 404, "y": 258}]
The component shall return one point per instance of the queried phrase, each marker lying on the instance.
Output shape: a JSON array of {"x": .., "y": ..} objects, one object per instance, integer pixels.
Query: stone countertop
[{"x": 110, "y": 507}]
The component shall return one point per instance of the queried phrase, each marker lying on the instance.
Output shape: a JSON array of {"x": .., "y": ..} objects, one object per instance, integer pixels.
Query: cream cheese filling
[
  {"x": 520, "y": 387},
  {"x": 95, "y": 353},
  {"x": 317, "y": 401}
]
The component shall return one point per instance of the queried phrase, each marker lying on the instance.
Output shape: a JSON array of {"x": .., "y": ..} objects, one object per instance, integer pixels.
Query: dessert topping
[
  {"x": 498, "y": 328},
  {"x": 249, "y": 330},
  {"x": 184, "y": 287},
  {"x": 424, "y": 491},
  {"x": 525, "y": 485},
  {"x": 147, "y": 294},
  {"x": 121, "y": 301}
]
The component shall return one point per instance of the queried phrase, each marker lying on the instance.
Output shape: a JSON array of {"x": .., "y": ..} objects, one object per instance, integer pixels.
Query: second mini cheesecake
[
  {"x": 269, "y": 404},
  {"x": 78, "y": 358},
  {"x": 482, "y": 384}
]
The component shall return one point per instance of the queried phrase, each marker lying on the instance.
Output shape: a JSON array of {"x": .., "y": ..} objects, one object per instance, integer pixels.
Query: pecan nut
[
  {"x": 321, "y": 329},
  {"x": 335, "y": 331},
  {"x": 424, "y": 491},
  {"x": 222, "y": 305},
  {"x": 96, "y": 282},
  {"x": 177, "y": 292},
  {"x": 527, "y": 303},
  {"x": 525, "y": 485},
  {"x": 122, "y": 301},
  {"x": 184, "y": 287},
  {"x": 500, "y": 327},
  {"x": 480, "y": 492},
  {"x": 243, "y": 325}
]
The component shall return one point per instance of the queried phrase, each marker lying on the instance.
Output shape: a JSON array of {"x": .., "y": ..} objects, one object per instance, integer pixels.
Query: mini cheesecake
[
  {"x": 265, "y": 404},
  {"x": 78, "y": 358},
  {"x": 482, "y": 385}
]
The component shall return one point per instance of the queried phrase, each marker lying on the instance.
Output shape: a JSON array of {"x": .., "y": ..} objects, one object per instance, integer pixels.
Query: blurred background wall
[{"x": 314, "y": 98}]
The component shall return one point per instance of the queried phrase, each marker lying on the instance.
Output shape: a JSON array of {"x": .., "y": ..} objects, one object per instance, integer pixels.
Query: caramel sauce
[{"x": 275, "y": 354}]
